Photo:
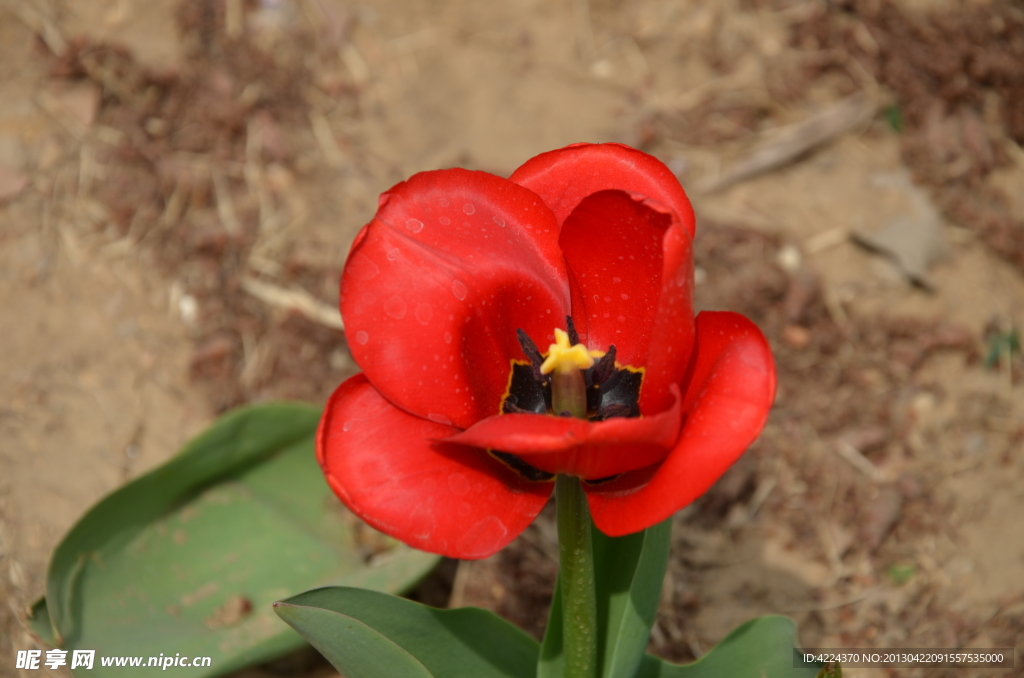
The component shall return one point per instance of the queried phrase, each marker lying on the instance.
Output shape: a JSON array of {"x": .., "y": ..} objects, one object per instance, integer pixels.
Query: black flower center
[{"x": 611, "y": 390}]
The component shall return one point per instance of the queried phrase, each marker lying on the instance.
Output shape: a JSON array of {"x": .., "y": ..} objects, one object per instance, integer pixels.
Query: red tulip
[{"x": 447, "y": 440}]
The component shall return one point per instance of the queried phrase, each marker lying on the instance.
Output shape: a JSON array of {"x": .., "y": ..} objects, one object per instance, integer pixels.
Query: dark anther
[
  {"x": 511, "y": 408},
  {"x": 612, "y": 381},
  {"x": 530, "y": 349},
  {"x": 604, "y": 367},
  {"x": 618, "y": 410},
  {"x": 574, "y": 337}
]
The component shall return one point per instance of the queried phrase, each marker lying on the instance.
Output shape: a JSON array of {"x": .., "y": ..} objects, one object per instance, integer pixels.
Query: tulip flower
[{"x": 510, "y": 331}]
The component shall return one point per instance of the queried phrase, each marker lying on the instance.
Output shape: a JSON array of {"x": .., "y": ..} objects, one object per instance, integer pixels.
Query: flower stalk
[{"x": 576, "y": 578}]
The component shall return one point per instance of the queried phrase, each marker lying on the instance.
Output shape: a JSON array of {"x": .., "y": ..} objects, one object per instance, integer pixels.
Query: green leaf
[
  {"x": 761, "y": 648},
  {"x": 190, "y": 557},
  {"x": 901, "y": 573},
  {"x": 628, "y": 573},
  {"x": 894, "y": 116},
  {"x": 551, "y": 662},
  {"x": 366, "y": 634}
]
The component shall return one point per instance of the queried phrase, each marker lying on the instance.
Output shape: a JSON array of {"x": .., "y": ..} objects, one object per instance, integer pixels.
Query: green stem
[{"x": 576, "y": 578}]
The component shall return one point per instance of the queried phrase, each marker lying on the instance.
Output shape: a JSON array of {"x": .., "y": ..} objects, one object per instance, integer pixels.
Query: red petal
[
  {"x": 727, "y": 401},
  {"x": 631, "y": 277},
  {"x": 433, "y": 292},
  {"x": 565, "y": 177},
  {"x": 672, "y": 336},
  {"x": 576, "y": 446},
  {"x": 440, "y": 497}
]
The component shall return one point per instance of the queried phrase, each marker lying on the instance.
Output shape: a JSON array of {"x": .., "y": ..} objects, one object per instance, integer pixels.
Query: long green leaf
[
  {"x": 366, "y": 634},
  {"x": 189, "y": 557},
  {"x": 761, "y": 648},
  {"x": 629, "y": 572},
  {"x": 551, "y": 662}
]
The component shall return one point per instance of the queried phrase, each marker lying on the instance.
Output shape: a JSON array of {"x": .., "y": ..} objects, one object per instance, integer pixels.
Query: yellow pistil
[{"x": 565, "y": 357}]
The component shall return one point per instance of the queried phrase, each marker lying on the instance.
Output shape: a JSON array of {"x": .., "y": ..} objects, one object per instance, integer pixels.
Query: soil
[{"x": 161, "y": 170}]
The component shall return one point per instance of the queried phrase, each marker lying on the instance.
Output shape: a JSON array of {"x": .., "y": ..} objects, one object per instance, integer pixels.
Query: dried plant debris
[
  {"x": 959, "y": 92},
  {"x": 197, "y": 173},
  {"x": 796, "y": 140}
]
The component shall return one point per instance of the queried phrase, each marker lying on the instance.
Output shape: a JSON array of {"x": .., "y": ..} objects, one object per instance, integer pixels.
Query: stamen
[
  {"x": 617, "y": 410},
  {"x": 532, "y": 353},
  {"x": 570, "y": 326},
  {"x": 604, "y": 368}
]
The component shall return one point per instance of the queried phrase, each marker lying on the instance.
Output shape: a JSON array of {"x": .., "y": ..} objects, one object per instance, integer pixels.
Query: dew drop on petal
[
  {"x": 424, "y": 312},
  {"x": 607, "y": 300},
  {"x": 393, "y": 254},
  {"x": 458, "y": 483},
  {"x": 346, "y": 426},
  {"x": 439, "y": 419},
  {"x": 362, "y": 267},
  {"x": 468, "y": 208},
  {"x": 498, "y": 220},
  {"x": 444, "y": 202},
  {"x": 414, "y": 225},
  {"x": 445, "y": 221},
  {"x": 447, "y": 337},
  {"x": 362, "y": 337},
  {"x": 395, "y": 307},
  {"x": 459, "y": 289},
  {"x": 625, "y": 297}
]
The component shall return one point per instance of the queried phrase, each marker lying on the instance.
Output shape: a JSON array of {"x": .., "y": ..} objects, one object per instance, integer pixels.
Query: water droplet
[
  {"x": 622, "y": 318},
  {"x": 445, "y": 221},
  {"x": 362, "y": 337},
  {"x": 393, "y": 254},
  {"x": 447, "y": 337},
  {"x": 459, "y": 289},
  {"x": 616, "y": 279},
  {"x": 458, "y": 483},
  {"x": 346, "y": 426},
  {"x": 439, "y": 419},
  {"x": 468, "y": 208},
  {"x": 362, "y": 267},
  {"x": 424, "y": 312},
  {"x": 395, "y": 307},
  {"x": 624, "y": 297},
  {"x": 414, "y": 225},
  {"x": 607, "y": 300},
  {"x": 498, "y": 220},
  {"x": 444, "y": 202}
]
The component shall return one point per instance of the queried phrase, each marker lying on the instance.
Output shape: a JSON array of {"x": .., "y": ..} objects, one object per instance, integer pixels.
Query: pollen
[{"x": 563, "y": 356}]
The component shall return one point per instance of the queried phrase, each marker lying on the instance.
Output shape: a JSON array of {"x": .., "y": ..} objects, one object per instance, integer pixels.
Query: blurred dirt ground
[{"x": 179, "y": 186}]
